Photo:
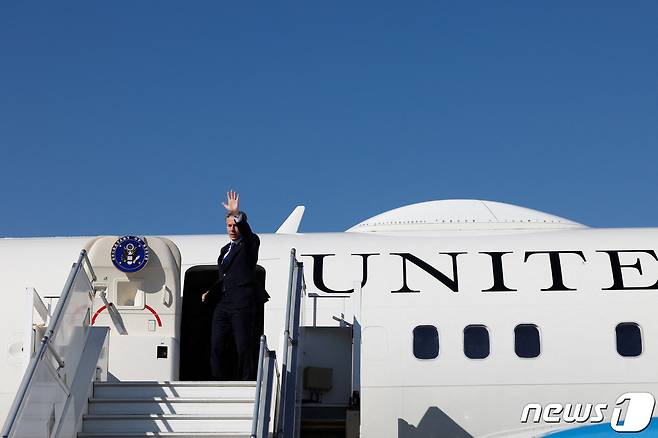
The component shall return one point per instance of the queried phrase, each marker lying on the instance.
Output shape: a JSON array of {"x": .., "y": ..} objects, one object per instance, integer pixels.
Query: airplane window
[
  {"x": 629, "y": 339},
  {"x": 526, "y": 340},
  {"x": 476, "y": 342},
  {"x": 426, "y": 342}
]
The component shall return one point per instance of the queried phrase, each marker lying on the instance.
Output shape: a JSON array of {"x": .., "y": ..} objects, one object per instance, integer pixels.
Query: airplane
[{"x": 455, "y": 318}]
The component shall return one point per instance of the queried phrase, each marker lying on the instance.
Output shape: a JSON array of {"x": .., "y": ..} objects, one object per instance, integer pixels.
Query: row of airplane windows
[{"x": 526, "y": 341}]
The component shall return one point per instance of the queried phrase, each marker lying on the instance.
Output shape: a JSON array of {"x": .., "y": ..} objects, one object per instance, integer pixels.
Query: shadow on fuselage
[{"x": 434, "y": 424}]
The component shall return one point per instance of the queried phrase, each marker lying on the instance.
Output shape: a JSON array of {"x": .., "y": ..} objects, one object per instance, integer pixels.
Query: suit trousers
[{"x": 237, "y": 327}]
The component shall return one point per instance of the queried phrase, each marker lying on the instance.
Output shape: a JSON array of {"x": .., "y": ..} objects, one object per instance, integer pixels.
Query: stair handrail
[
  {"x": 260, "y": 420},
  {"x": 259, "y": 382},
  {"x": 28, "y": 377},
  {"x": 286, "y": 410},
  {"x": 286, "y": 329}
]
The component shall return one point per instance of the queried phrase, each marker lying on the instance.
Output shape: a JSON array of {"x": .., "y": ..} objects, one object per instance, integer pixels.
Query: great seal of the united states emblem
[{"x": 130, "y": 253}]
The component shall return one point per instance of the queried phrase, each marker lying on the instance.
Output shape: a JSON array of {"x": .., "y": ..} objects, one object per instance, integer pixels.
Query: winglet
[{"x": 291, "y": 225}]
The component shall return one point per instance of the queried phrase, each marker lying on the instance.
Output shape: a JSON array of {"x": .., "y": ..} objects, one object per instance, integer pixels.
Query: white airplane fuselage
[{"x": 576, "y": 286}]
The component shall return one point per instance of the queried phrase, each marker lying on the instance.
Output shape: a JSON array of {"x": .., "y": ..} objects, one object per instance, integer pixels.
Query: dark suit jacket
[{"x": 237, "y": 287}]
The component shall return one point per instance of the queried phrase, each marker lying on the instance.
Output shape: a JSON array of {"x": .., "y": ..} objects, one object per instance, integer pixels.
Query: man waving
[{"x": 236, "y": 291}]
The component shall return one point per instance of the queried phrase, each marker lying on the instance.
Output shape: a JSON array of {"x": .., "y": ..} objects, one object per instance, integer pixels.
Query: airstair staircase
[
  {"x": 64, "y": 392},
  {"x": 169, "y": 409}
]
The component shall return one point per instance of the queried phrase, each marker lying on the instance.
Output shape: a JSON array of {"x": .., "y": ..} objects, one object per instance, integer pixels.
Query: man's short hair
[{"x": 228, "y": 215}]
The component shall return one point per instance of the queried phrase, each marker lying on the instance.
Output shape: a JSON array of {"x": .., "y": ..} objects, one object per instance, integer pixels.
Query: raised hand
[{"x": 232, "y": 203}]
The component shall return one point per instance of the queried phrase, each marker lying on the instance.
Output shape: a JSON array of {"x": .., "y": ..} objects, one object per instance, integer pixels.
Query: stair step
[
  {"x": 163, "y": 434},
  {"x": 157, "y": 405},
  {"x": 110, "y": 424},
  {"x": 138, "y": 389}
]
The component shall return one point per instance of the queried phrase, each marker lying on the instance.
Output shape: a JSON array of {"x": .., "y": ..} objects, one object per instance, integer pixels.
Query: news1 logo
[
  {"x": 638, "y": 412},
  {"x": 632, "y": 412}
]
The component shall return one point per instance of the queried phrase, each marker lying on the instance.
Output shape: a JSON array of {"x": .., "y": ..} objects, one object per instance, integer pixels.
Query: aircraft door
[
  {"x": 196, "y": 323},
  {"x": 138, "y": 297}
]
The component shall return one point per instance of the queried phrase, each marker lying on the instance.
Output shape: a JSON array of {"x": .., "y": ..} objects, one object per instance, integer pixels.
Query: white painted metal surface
[
  {"x": 149, "y": 298},
  {"x": 182, "y": 408},
  {"x": 291, "y": 224},
  {"x": 399, "y": 393},
  {"x": 53, "y": 391},
  {"x": 461, "y": 214},
  {"x": 215, "y": 390},
  {"x": 163, "y": 405}
]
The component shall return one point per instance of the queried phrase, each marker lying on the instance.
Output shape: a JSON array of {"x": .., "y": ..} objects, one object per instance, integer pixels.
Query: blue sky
[{"x": 136, "y": 117}]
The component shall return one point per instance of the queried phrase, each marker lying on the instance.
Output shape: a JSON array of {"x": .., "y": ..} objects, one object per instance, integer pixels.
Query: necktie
[{"x": 229, "y": 253}]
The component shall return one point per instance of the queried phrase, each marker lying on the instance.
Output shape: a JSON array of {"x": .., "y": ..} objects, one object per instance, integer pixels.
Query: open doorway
[{"x": 196, "y": 319}]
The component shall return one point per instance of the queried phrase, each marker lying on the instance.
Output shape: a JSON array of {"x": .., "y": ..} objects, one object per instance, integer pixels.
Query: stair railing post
[
  {"x": 259, "y": 382},
  {"x": 269, "y": 370},
  {"x": 282, "y": 414},
  {"x": 290, "y": 426}
]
